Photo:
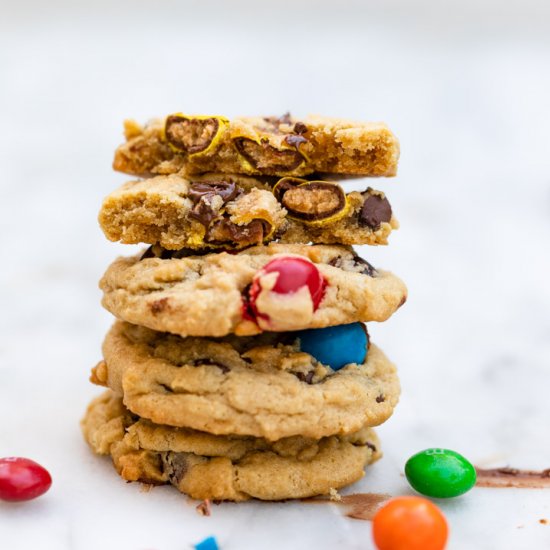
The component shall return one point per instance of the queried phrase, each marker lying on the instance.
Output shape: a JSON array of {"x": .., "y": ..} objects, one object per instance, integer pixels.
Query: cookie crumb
[
  {"x": 543, "y": 521},
  {"x": 334, "y": 495},
  {"x": 204, "y": 509},
  {"x": 145, "y": 487}
]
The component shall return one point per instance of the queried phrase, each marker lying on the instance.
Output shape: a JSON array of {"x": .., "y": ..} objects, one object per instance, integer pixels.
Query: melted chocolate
[
  {"x": 512, "y": 477},
  {"x": 358, "y": 506},
  {"x": 375, "y": 210},
  {"x": 202, "y": 194}
]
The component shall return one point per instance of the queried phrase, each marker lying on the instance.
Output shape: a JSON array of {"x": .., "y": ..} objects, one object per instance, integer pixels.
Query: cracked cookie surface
[
  {"x": 281, "y": 146},
  {"x": 263, "y": 386},
  {"x": 207, "y": 295},
  {"x": 206, "y": 466}
]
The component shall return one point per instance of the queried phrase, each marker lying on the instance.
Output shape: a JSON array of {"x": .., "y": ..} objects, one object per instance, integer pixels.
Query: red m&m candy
[
  {"x": 293, "y": 274},
  {"x": 22, "y": 479}
]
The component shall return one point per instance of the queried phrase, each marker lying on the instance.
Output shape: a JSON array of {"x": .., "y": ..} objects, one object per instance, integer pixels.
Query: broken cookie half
[
  {"x": 217, "y": 211},
  {"x": 276, "y": 146}
]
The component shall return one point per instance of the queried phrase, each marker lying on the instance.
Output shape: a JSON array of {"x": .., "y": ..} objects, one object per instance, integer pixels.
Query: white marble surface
[{"x": 465, "y": 85}]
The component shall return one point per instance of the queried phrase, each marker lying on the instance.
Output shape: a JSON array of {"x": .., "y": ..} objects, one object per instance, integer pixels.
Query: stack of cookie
[{"x": 240, "y": 366}]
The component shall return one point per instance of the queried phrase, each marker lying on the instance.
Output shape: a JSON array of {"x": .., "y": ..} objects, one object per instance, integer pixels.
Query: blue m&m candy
[{"x": 336, "y": 346}]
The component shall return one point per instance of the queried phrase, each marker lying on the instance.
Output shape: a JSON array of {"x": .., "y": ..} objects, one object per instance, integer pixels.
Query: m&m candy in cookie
[
  {"x": 286, "y": 291},
  {"x": 336, "y": 346}
]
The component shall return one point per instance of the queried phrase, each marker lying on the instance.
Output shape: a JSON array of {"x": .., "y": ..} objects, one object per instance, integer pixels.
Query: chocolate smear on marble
[
  {"x": 375, "y": 211},
  {"x": 357, "y": 506},
  {"x": 512, "y": 477}
]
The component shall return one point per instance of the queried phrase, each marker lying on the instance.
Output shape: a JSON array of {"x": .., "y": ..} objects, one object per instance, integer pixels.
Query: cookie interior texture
[
  {"x": 206, "y": 466},
  {"x": 214, "y": 211},
  {"x": 262, "y": 386},
  {"x": 282, "y": 146}
]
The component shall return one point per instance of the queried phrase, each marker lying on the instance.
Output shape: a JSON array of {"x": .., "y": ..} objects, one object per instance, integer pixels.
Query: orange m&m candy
[{"x": 410, "y": 523}]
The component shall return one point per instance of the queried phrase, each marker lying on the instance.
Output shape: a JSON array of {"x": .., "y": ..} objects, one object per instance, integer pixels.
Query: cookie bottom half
[{"x": 206, "y": 466}]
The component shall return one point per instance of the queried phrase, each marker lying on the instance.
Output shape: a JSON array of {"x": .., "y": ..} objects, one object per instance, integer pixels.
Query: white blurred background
[{"x": 464, "y": 84}]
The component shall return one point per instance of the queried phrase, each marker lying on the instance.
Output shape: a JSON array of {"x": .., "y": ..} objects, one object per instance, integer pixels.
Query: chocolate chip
[
  {"x": 380, "y": 399},
  {"x": 277, "y": 121},
  {"x": 371, "y": 446},
  {"x": 175, "y": 466},
  {"x": 307, "y": 378},
  {"x": 295, "y": 141},
  {"x": 300, "y": 128},
  {"x": 202, "y": 195},
  {"x": 227, "y": 190},
  {"x": 375, "y": 210},
  {"x": 158, "y": 306},
  {"x": 357, "y": 264}
]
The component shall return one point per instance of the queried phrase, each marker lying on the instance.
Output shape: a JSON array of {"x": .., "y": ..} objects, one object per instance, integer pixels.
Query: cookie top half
[
  {"x": 265, "y": 288},
  {"x": 206, "y": 466},
  {"x": 272, "y": 386},
  {"x": 215, "y": 211},
  {"x": 277, "y": 146}
]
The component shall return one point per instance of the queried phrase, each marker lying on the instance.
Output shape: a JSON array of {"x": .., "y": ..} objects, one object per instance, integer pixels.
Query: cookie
[
  {"x": 274, "y": 288},
  {"x": 283, "y": 146},
  {"x": 217, "y": 211},
  {"x": 262, "y": 386},
  {"x": 206, "y": 466}
]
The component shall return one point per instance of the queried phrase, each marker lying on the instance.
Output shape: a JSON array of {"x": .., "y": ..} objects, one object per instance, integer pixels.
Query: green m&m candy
[{"x": 440, "y": 473}]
